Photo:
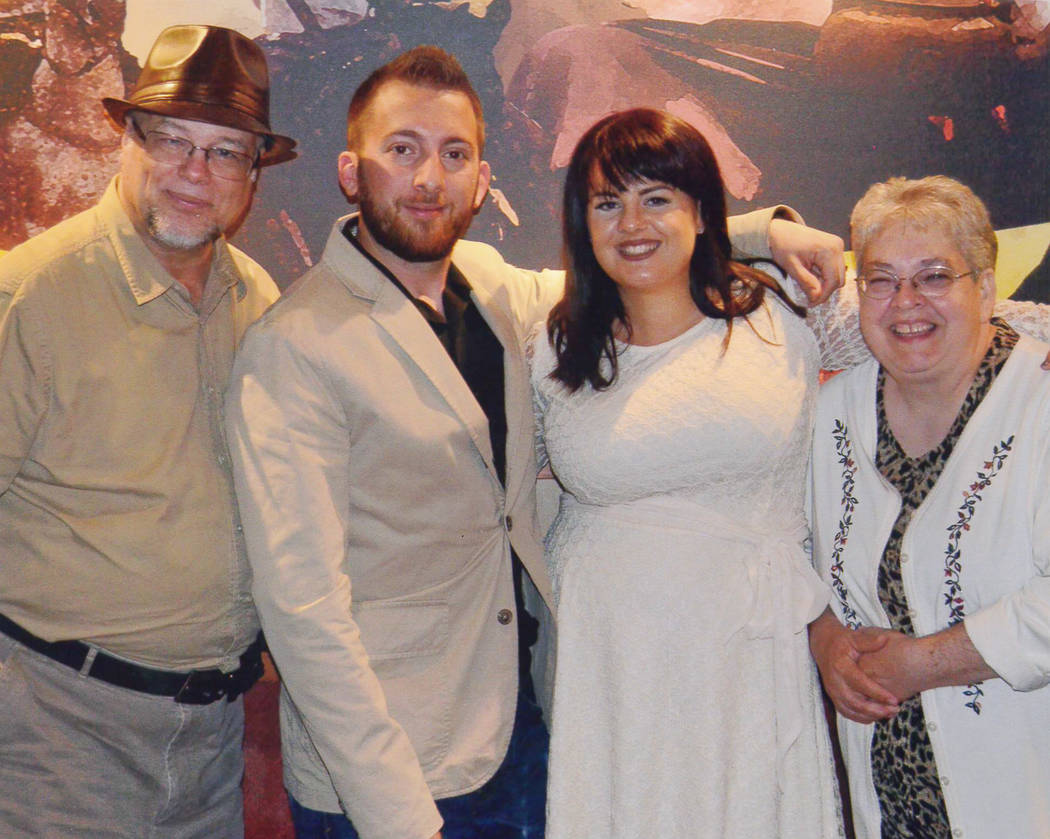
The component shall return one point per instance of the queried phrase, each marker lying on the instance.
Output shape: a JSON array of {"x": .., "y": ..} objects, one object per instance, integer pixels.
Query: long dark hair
[{"x": 621, "y": 149}]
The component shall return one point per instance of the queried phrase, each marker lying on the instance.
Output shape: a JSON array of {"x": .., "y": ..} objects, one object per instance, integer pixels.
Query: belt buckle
[{"x": 204, "y": 687}]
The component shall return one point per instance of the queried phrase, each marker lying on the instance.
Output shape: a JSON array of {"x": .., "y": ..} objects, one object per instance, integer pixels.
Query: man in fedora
[{"x": 127, "y": 633}]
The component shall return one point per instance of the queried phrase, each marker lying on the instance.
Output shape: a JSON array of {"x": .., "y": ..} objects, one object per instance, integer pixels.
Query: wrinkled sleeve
[
  {"x": 749, "y": 232},
  {"x": 289, "y": 439},
  {"x": 25, "y": 382}
]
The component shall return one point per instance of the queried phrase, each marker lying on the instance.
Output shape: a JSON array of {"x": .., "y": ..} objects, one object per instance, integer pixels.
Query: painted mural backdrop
[{"x": 805, "y": 101}]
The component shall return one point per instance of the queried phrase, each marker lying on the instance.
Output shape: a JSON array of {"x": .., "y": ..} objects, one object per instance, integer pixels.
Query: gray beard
[{"x": 176, "y": 239}]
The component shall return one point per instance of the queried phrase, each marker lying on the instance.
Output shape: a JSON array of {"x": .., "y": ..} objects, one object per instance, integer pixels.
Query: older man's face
[
  {"x": 183, "y": 206},
  {"x": 416, "y": 172}
]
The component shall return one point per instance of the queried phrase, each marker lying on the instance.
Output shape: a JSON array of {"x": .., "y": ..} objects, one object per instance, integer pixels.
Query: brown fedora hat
[{"x": 207, "y": 74}]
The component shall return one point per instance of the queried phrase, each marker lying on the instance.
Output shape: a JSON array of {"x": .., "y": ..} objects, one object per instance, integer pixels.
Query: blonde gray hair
[{"x": 936, "y": 202}]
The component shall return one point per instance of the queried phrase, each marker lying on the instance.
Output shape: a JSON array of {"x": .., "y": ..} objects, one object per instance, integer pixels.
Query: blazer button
[
  {"x": 504, "y": 616},
  {"x": 510, "y": 524}
]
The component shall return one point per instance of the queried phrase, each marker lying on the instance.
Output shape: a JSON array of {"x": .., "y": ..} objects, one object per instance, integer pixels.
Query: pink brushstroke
[{"x": 297, "y": 236}]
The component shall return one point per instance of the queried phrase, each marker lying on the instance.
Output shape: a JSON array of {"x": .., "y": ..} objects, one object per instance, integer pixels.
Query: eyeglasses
[
  {"x": 933, "y": 281},
  {"x": 222, "y": 162}
]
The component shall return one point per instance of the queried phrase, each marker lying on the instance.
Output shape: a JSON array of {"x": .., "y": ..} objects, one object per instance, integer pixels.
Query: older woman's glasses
[
  {"x": 933, "y": 281},
  {"x": 225, "y": 163}
]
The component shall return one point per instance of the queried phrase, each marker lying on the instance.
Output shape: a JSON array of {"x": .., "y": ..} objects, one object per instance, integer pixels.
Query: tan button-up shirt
[{"x": 118, "y": 523}]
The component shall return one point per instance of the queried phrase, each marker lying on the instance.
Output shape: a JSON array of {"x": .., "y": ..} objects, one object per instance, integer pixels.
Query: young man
[
  {"x": 127, "y": 632},
  {"x": 381, "y": 426}
]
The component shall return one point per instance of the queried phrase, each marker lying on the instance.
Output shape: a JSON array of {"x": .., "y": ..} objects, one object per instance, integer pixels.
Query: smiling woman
[
  {"x": 685, "y": 702},
  {"x": 930, "y": 523},
  {"x": 644, "y": 214},
  {"x": 643, "y": 238}
]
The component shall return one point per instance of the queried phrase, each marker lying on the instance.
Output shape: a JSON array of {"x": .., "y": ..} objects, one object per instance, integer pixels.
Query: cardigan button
[{"x": 504, "y": 616}]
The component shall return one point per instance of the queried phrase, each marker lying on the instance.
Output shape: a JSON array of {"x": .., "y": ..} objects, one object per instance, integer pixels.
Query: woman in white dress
[{"x": 675, "y": 400}]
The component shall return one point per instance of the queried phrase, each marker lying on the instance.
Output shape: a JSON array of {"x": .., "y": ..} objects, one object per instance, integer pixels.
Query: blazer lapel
[{"x": 403, "y": 323}]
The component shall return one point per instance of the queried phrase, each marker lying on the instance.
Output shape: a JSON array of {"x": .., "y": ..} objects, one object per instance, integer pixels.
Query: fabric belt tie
[
  {"x": 193, "y": 687},
  {"x": 786, "y": 592}
]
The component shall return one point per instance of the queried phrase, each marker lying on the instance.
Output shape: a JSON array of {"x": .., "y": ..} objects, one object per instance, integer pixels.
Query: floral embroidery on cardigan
[
  {"x": 953, "y": 596},
  {"x": 844, "y": 450}
]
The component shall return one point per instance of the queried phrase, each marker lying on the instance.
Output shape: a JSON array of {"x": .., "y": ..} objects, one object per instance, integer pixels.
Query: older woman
[
  {"x": 675, "y": 401},
  {"x": 931, "y": 519}
]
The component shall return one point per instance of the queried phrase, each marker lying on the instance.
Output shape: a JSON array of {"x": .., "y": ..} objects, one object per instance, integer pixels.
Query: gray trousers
[{"x": 82, "y": 759}]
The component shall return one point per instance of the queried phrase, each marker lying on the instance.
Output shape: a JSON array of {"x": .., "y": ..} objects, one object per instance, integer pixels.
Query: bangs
[{"x": 622, "y": 155}]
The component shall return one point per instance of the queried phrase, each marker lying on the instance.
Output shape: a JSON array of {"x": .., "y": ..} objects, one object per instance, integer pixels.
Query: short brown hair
[{"x": 426, "y": 66}]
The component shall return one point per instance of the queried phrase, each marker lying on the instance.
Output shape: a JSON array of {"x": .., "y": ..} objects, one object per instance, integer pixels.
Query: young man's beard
[{"x": 402, "y": 238}]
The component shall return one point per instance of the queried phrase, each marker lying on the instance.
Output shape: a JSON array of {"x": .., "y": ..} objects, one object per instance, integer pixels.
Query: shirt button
[
  {"x": 904, "y": 558},
  {"x": 504, "y": 616},
  {"x": 944, "y": 780},
  {"x": 932, "y": 726}
]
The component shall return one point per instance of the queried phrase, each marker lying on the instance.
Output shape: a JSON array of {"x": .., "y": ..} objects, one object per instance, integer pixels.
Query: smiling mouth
[
  {"x": 637, "y": 250},
  {"x": 911, "y": 330},
  {"x": 187, "y": 202},
  {"x": 425, "y": 210}
]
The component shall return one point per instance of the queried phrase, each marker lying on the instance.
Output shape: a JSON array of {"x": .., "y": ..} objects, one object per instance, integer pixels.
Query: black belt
[{"x": 194, "y": 687}]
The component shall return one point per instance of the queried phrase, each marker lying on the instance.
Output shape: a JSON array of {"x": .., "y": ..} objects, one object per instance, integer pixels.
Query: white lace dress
[{"x": 686, "y": 703}]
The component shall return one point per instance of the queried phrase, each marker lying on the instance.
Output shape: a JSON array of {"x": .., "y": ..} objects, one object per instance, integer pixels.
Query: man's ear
[
  {"x": 347, "y": 166},
  {"x": 484, "y": 178}
]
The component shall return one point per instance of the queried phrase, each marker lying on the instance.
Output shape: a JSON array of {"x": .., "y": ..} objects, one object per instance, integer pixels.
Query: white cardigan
[{"x": 983, "y": 532}]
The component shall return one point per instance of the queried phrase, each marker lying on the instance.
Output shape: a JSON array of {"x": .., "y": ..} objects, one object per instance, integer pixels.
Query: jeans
[{"x": 510, "y": 805}]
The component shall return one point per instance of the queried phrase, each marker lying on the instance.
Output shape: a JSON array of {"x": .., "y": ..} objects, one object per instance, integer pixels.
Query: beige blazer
[{"x": 379, "y": 534}]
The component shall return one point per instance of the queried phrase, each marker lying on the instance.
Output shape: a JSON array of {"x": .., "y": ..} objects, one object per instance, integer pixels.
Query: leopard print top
[{"x": 904, "y": 768}]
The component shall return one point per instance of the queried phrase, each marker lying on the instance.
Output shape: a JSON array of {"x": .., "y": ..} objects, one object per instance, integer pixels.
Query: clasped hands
[{"x": 867, "y": 672}]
